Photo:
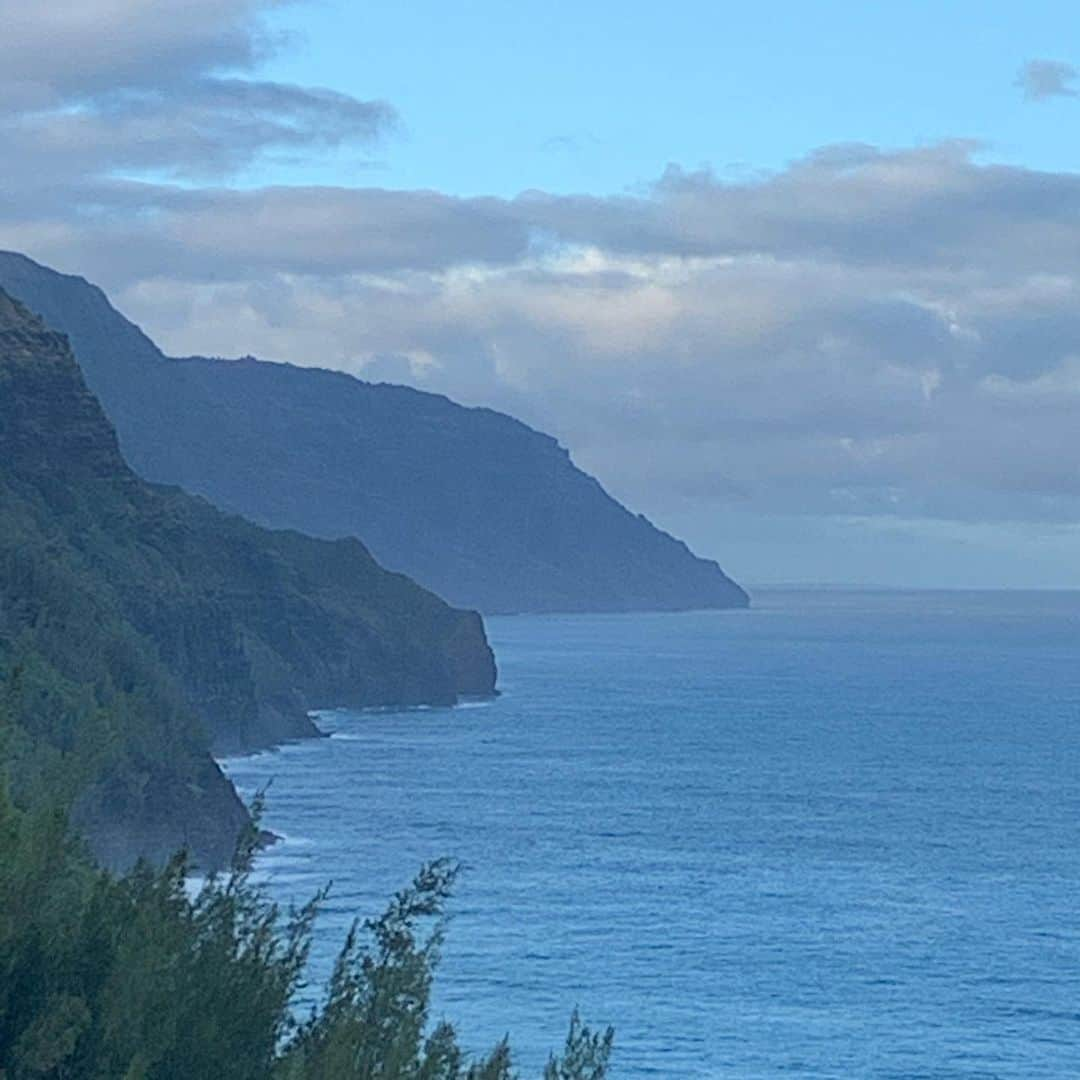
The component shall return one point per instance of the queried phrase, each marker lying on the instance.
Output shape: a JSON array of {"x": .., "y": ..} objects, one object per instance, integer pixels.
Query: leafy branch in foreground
[
  {"x": 377, "y": 1007},
  {"x": 585, "y": 1056},
  {"x": 138, "y": 978}
]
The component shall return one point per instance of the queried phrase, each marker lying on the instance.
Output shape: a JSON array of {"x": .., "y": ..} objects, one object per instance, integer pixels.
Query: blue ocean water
[{"x": 837, "y": 835}]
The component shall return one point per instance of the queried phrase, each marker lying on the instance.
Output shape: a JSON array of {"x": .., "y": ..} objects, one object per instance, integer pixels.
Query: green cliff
[{"x": 140, "y": 627}]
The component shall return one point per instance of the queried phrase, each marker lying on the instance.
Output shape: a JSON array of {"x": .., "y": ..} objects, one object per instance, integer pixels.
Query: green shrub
[{"x": 136, "y": 976}]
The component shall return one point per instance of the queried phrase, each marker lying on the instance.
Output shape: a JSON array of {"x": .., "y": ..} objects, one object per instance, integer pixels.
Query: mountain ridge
[{"x": 472, "y": 503}]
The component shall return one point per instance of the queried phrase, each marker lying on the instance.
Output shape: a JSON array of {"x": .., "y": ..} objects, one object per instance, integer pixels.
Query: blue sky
[{"x": 496, "y": 98}]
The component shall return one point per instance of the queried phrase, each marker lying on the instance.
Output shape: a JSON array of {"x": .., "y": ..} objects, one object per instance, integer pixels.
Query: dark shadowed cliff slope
[
  {"x": 139, "y": 625},
  {"x": 471, "y": 503}
]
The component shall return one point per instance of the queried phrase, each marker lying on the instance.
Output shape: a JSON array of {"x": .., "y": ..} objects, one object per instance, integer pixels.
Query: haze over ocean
[{"x": 833, "y": 836}]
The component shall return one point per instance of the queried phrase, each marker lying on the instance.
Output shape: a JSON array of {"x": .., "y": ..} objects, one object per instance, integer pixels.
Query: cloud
[
  {"x": 71, "y": 48},
  {"x": 157, "y": 90},
  {"x": 213, "y": 128},
  {"x": 869, "y": 333},
  {"x": 883, "y": 333},
  {"x": 1042, "y": 79},
  {"x": 864, "y": 333}
]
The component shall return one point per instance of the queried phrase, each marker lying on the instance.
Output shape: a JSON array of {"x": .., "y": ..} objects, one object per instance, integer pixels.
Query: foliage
[
  {"x": 94, "y": 718},
  {"x": 139, "y": 977}
]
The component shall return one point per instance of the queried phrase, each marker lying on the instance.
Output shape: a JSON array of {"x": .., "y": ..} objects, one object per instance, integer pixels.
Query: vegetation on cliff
[
  {"x": 139, "y": 626},
  {"x": 137, "y": 623},
  {"x": 105, "y": 977}
]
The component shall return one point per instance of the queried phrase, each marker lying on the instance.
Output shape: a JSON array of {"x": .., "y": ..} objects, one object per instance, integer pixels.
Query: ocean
[{"x": 836, "y": 835}]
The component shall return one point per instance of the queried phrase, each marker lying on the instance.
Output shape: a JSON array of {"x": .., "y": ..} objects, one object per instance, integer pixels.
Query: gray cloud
[
  {"x": 865, "y": 335},
  {"x": 911, "y": 212},
  {"x": 67, "y": 49},
  {"x": 209, "y": 128},
  {"x": 1041, "y": 79},
  {"x": 105, "y": 86}
]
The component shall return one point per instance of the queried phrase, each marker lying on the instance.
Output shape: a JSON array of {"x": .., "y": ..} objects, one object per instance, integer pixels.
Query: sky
[
  {"x": 601, "y": 97},
  {"x": 800, "y": 282}
]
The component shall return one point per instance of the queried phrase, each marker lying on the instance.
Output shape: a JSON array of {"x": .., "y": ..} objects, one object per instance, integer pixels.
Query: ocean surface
[{"x": 837, "y": 835}]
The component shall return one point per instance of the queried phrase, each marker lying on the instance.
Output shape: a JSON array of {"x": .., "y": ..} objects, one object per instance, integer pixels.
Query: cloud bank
[{"x": 869, "y": 334}]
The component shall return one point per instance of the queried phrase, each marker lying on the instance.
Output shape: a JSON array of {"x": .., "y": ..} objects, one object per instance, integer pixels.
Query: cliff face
[
  {"x": 471, "y": 503},
  {"x": 88, "y": 711},
  {"x": 150, "y": 607}
]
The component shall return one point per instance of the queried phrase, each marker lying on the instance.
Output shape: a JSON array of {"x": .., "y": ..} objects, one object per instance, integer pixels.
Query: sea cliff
[{"x": 156, "y": 629}]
